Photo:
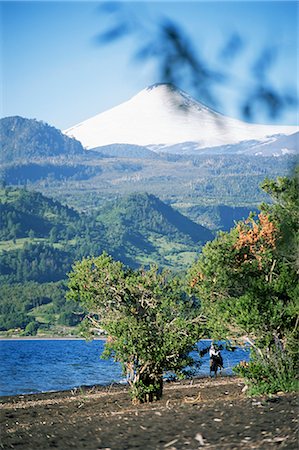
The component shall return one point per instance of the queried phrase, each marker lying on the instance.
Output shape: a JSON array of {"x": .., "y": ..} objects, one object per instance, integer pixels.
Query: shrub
[{"x": 152, "y": 325}]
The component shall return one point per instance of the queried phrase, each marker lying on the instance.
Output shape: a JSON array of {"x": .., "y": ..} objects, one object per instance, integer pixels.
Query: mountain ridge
[
  {"x": 23, "y": 138},
  {"x": 162, "y": 115}
]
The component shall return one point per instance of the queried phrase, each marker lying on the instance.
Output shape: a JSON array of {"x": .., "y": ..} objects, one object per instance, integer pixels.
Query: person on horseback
[{"x": 215, "y": 360}]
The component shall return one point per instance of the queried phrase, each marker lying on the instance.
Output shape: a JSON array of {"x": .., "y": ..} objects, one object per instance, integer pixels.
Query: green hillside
[
  {"x": 137, "y": 229},
  {"x": 23, "y": 212},
  {"x": 23, "y": 139},
  {"x": 216, "y": 217},
  {"x": 147, "y": 230},
  {"x": 147, "y": 212},
  {"x": 30, "y": 308},
  {"x": 40, "y": 239}
]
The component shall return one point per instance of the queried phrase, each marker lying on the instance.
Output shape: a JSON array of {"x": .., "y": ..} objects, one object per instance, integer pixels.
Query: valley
[
  {"x": 41, "y": 239},
  {"x": 154, "y": 195}
]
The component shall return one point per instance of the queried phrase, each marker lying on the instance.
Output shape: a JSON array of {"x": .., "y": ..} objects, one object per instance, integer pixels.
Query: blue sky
[{"x": 53, "y": 69}]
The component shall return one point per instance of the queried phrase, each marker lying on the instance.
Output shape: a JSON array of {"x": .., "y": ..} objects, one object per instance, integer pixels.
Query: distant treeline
[
  {"x": 21, "y": 303},
  {"x": 22, "y": 174}
]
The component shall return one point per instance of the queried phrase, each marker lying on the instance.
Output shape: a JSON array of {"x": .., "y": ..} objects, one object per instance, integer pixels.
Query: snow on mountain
[
  {"x": 276, "y": 145},
  {"x": 161, "y": 116}
]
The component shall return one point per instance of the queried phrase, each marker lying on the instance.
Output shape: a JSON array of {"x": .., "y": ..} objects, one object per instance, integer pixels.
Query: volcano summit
[{"x": 162, "y": 116}]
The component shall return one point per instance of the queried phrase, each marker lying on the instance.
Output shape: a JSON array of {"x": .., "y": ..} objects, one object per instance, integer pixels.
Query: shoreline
[
  {"x": 52, "y": 338},
  {"x": 117, "y": 385},
  {"x": 62, "y": 338},
  {"x": 202, "y": 412},
  {"x": 106, "y": 389}
]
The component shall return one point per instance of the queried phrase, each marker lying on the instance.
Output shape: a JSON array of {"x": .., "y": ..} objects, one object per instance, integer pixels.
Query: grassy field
[{"x": 15, "y": 244}]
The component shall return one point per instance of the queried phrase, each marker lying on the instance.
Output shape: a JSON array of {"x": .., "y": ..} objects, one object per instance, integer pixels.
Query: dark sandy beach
[{"x": 214, "y": 414}]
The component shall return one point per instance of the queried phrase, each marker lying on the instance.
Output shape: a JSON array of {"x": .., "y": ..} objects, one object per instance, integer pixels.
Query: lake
[{"x": 32, "y": 366}]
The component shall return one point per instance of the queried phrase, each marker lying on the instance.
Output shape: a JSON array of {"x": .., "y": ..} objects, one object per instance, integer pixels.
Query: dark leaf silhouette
[{"x": 180, "y": 63}]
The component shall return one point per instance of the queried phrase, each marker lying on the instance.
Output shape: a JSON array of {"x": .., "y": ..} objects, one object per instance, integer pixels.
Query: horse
[{"x": 216, "y": 362}]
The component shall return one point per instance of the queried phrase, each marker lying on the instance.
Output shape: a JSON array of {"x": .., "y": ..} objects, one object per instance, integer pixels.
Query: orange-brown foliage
[
  {"x": 256, "y": 238},
  {"x": 200, "y": 277}
]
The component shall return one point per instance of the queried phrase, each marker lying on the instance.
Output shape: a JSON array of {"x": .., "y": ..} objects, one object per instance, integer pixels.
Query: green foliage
[
  {"x": 152, "y": 325},
  {"x": 285, "y": 213},
  {"x": 34, "y": 262},
  {"x": 276, "y": 371},
  {"x": 43, "y": 303},
  {"x": 31, "y": 329},
  {"x": 70, "y": 317},
  {"x": 22, "y": 212},
  {"x": 141, "y": 229},
  {"x": 216, "y": 217},
  {"x": 46, "y": 237},
  {"x": 147, "y": 212},
  {"x": 247, "y": 281},
  {"x": 13, "y": 319}
]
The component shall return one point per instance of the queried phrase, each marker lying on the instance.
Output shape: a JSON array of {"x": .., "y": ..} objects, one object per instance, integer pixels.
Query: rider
[{"x": 215, "y": 358}]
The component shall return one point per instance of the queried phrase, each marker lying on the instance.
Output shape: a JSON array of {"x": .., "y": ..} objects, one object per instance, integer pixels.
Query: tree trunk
[{"x": 147, "y": 386}]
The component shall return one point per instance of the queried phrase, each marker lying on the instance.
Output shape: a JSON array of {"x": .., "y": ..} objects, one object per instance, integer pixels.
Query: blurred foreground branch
[{"x": 165, "y": 43}]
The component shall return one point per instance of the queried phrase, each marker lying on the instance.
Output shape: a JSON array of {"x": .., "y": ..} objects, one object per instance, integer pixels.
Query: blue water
[{"x": 32, "y": 366}]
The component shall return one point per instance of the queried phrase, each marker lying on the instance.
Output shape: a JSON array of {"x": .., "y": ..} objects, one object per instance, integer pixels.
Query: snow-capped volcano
[{"x": 161, "y": 116}]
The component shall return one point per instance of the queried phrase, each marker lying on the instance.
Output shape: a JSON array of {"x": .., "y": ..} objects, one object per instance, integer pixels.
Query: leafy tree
[
  {"x": 284, "y": 192},
  {"x": 53, "y": 235},
  {"x": 70, "y": 316},
  {"x": 31, "y": 234},
  {"x": 152, "y": 325},
  {"x": 13, "y": 319},
  {"x": 31, "y": 328},
  {"x": 247, "y": 281}
]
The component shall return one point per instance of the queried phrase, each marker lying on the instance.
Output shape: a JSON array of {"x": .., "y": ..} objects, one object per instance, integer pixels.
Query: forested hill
[
  {"x": 138, "y": 229},
  {"x": 126, "y": 151},
  {"x": 40, "y": 239},
  {"x": 27, "y": 139},
  {"x": 24, "y": 212},
  {"x": 146, "y": 214}
]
